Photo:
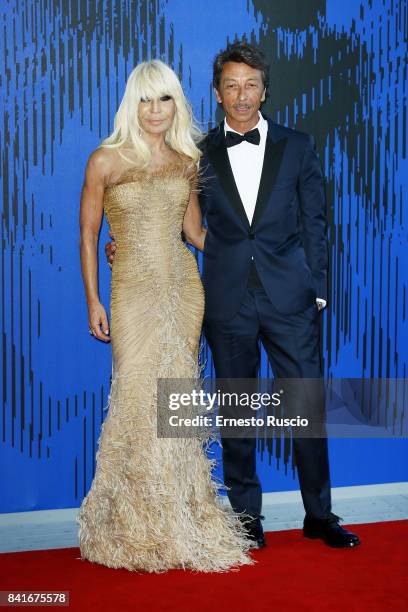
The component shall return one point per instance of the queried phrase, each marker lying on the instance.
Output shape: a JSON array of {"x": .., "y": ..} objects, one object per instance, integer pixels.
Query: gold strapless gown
[{"x": 153, "y": 505}]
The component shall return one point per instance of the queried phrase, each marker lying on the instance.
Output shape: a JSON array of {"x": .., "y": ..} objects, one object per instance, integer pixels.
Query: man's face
[{"x": 241, "y": 93}]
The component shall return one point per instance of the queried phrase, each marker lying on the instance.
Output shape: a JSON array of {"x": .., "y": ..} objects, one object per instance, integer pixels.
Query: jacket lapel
[
  {"x": 274, "y": 150},
  {"x": 217, "y": 152}
]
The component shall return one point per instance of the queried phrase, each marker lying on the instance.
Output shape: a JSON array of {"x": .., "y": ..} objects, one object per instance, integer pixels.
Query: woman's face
[{"x": 156, "y": 115}]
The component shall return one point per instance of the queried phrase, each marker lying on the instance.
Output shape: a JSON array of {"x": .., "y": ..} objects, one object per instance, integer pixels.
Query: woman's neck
[{"x": 155, "y": 142}]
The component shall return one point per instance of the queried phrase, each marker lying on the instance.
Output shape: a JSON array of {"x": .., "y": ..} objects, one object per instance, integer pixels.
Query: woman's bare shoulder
[
  {"x": 104, "y": 163},
  {"x": 101, "y": 159}
]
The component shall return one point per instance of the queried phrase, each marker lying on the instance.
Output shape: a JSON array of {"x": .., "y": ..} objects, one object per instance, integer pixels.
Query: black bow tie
[{"x": 233, "y": 138}]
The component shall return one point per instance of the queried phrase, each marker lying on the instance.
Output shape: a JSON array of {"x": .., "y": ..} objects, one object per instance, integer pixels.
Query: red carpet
[{"x": 291, "y": 573}]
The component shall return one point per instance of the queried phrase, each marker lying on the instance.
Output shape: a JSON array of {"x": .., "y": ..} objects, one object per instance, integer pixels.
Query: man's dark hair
[{"x": 243, "y": 53}]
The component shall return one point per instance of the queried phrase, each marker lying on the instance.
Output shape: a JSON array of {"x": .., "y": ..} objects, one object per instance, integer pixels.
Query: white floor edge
[
  {"x": 373, "y": 490},
  {"x": 46, "y": 529}
]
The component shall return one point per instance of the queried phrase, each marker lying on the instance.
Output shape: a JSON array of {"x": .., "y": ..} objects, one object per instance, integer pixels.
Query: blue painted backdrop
[{"x": 337, "y": 70}]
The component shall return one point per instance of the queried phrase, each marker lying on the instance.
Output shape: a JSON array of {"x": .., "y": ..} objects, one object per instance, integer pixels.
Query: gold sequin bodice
[{"x": 145, "y": 211}]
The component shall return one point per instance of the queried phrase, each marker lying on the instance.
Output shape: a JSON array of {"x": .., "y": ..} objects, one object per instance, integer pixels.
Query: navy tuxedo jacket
[{"x": 287, "y": 237}]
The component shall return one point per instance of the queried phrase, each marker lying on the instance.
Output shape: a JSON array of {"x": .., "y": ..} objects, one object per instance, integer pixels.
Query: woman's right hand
[
  {"x": 110, "y": 248},
  {"x": 98, "y": 322}
]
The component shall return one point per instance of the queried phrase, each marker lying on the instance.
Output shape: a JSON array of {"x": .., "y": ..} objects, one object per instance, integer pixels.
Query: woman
[{"x": 152, "y": 505}]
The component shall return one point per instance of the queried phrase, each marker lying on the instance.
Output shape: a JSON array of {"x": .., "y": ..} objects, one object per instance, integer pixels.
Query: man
[{"x": 264, "y": 273}]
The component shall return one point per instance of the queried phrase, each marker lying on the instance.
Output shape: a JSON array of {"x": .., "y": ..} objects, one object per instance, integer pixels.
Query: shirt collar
[{"x": 262, "y": 126}]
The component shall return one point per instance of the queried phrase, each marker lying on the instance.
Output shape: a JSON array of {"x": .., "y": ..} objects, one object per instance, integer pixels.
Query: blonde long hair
[{"x": 154, "y": 79}]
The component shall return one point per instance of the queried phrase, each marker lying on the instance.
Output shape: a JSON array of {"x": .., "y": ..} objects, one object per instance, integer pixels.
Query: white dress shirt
[{"x": 246, "y": 162}]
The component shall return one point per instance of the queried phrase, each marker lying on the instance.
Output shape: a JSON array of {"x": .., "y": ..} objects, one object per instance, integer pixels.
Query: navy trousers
[{"x": 292, "y": 345}]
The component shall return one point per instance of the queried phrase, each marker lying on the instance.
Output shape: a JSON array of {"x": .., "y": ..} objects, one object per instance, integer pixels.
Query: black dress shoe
[
  {"x": 253, "y": 527},
  {"x": 330, "y": 532}
]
